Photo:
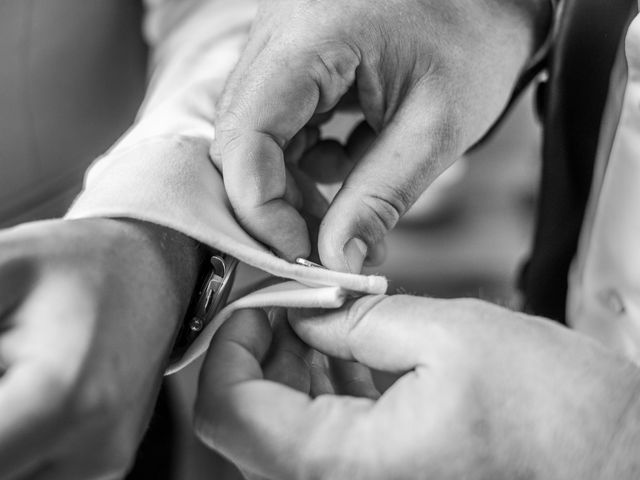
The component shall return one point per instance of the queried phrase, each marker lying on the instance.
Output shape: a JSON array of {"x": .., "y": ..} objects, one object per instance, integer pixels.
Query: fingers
[
  {"x": 265, "y": 428},
  {"x": 393, "y": 334},
  {"x": 261, "y": 111},
  {"x": 250, "y": 137},
  {"x": 321, "y": 381},
  {"x": 292, "y": 363},
  {"x": 327, "y": 162},
  {"x": 351, "y": 378},
  {"x": 295, "y": 365},
  {"x": 376, "y": 255},
  {"x": 288, "y": 360},
  {"x": 239, "y": 349},
  {"x": 300, "y": 143},
  {"x": 410, "y": 152},
  {"x": 360, "y": 140},
  {"x": 313, "y": 204}
]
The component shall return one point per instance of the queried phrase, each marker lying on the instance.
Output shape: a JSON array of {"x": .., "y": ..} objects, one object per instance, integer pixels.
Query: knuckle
[
  {"x": 227, "y": 130},
  {"x": 334, "y": 64},
  {"x": 384, "y": 208},
  {"x": 227, "y": 121},
  {"x": 324, "y": 46},
  {"x": 331, "y": 66}
]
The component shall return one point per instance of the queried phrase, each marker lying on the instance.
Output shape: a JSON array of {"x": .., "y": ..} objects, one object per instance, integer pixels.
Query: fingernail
[{"x": 355, "y": 251}]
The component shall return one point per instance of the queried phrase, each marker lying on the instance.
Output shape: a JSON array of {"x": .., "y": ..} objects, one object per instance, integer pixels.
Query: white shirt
[{"x": 604, "y": 286}]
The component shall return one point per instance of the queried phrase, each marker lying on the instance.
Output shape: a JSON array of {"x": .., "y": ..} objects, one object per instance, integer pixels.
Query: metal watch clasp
[{"x": 214, "y": 292}]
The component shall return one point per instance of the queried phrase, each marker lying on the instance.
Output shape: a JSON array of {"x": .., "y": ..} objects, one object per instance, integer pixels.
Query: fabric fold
[
  {"x": 287, "y": 295},
  {"x": 160, "y": 170},
  {"x": 184, "y": 191}
]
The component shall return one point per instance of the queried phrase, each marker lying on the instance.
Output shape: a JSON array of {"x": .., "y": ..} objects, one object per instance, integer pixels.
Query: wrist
[{"x": 171, "y": 259}]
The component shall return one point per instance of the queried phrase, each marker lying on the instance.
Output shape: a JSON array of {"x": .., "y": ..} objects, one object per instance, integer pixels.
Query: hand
[
  {"x": 485, "y": 393},
  {"x": 430, "y": 77},
  {"x": 279, "y": 357},
  {"x": 88, "y": 313}
]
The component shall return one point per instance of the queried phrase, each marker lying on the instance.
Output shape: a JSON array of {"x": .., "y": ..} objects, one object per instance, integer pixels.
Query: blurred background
[{"x": 71, "y": 84}]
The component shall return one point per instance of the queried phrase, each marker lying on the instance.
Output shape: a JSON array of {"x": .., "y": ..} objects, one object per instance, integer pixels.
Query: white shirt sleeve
[
  {"x": 604, "y": 287},
  {"x": 194, "y": 46},
  {"x": 160, "y": 171}
]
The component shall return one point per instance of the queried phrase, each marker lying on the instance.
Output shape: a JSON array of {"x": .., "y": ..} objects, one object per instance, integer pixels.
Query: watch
[{"x": 214, "y": 285}]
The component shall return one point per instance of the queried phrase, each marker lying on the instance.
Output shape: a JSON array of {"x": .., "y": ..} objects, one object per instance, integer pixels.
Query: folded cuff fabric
[
  {"x": 287, "y": 295},
  {"x": 184, "y": 191}
]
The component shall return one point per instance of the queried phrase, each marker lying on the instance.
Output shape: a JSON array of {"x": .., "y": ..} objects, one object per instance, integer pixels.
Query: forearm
[
  {"x": 174, "y": 256},
  {"x": 168, "y": 260}
]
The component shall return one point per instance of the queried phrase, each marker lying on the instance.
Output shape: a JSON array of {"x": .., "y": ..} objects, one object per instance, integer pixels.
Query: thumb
[
  {"x": 264, "y": 105},
  {"x": 411, "y": 151},
  {"x": 393, "y": 334}
]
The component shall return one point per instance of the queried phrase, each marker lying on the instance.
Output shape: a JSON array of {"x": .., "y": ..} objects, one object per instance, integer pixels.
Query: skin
[
  {"x": 75, "y": 293},
  {"x": 429, "y": 76},
  {"x": 483, "y": 393},
  {"x": 88, "y": 314}
]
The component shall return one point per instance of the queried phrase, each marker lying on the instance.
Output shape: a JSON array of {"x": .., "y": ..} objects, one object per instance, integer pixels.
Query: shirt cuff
[{"x": 170, "y": 181}]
